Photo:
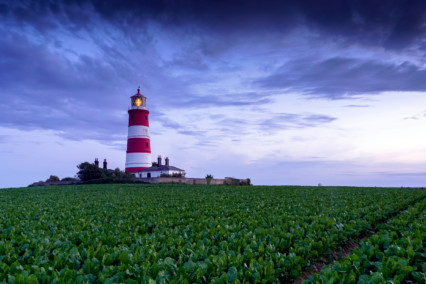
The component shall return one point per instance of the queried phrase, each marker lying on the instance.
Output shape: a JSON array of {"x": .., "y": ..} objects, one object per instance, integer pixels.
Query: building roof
[{"x": 161, "y": 168}]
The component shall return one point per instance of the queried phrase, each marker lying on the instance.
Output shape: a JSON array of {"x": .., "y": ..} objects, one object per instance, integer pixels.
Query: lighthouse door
[{"x": 148, "y": 175}]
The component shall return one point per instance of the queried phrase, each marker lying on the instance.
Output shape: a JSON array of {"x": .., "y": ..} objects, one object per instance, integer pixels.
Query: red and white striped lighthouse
[{"x": 138, "y": 154}]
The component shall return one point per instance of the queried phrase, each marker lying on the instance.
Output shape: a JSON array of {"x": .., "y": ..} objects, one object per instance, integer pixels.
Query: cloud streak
[
  {"x": 338, "y": 78},
  {"x": 283, "y": 121}
]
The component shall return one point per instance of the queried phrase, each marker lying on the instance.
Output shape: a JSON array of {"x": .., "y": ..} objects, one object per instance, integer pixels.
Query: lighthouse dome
[{"x": 138, "y": 101}]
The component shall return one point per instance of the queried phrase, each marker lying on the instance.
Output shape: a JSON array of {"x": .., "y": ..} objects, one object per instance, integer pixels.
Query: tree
[
  {"x": 122, "y": 175},
  {"x": 88, "y": 171},
  {"x": 209, "y": 178},
  {"x": 52, "y": 179}
]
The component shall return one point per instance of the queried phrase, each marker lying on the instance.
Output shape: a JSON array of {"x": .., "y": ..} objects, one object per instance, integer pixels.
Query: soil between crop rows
[{"x": 346, "y": 249}]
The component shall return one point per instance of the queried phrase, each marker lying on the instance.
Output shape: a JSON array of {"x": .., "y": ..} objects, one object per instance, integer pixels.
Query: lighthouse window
[
  {"x": 147, "y": 145},
  {"x": 146, "y": 117}
]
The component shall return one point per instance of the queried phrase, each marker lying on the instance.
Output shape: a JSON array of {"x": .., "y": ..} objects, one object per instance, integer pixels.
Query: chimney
[
  {"x": 159, "y": 160},
  {"x": 105, "y": 164},
  {"x": 96, "y": 162},
  {"x": 167, "y": 161}
]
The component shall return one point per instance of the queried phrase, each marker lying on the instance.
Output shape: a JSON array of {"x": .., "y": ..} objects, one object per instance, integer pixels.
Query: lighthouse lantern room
[{"x": 138, "y": 154}]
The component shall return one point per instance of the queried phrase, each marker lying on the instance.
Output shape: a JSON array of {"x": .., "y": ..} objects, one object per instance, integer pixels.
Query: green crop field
[
  {"x": 214, "y": 234},
  {"x": 395, "y": 254}
]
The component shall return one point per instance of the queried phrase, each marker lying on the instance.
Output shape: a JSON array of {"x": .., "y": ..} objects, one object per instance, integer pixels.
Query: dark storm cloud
[
  {"x": 72, "y": 91},
  {"x": 30, "y": 67},
  {"x": 337, "y": 78},
  {"x": 393, "y": 24},
  {"x": 80, "y": 95},
  {"x": 54, "y": 92}
]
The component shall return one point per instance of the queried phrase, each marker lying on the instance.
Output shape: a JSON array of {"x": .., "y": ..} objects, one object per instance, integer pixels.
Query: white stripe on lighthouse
[
  {"x": 138, "y": 160},
  {"x": 138, "y": 131}
]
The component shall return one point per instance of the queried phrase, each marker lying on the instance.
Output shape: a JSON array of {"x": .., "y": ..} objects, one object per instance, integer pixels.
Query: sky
[{"x": 281, "y": 92}]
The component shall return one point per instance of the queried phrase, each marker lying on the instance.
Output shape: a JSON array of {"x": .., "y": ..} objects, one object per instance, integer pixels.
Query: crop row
[
  {"x": 396, "y": 254},
  {"x": 171, "y": 233}
]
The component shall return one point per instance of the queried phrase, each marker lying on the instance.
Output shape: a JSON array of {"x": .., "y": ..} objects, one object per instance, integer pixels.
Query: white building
[{"x": 159, "y": 169}]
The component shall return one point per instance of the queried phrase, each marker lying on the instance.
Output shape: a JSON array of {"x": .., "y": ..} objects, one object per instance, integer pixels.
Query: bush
[
  {"x": 88, "y": 171},
  {"x": 113, "y": 180},
  {"x": 52, "y": 179},
  {"x": 117, "y": 173},
  {"x": 69, "y": 179},
  {"x": 172, "y": 175}
]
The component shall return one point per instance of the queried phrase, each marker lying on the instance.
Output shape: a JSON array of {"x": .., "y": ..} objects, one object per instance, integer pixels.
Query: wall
[
  {"x": 214, "y": 181},
  {"x": 155, "y": 174}
]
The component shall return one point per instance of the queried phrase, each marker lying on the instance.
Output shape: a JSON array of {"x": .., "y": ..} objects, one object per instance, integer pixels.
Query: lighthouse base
[{"x": 136, "y": 162}]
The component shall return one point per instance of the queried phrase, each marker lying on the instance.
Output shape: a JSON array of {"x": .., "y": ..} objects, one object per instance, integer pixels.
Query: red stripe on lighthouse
[
  {"x": 138, "y": 117},
  {"x": 135, "y": 170},
  {"x": 138, "y": 145}
]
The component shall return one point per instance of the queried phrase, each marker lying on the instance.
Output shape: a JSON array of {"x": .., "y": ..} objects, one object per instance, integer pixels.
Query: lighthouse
[{"x": 138, "y": 154}]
